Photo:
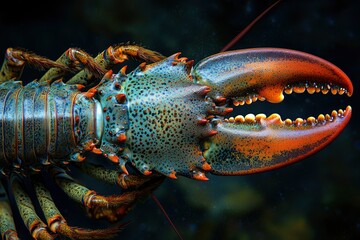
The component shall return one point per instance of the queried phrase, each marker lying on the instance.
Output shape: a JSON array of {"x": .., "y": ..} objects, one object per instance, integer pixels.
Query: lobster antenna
[
  {"x": 248, "y": 27},
  {"x": 166, "y": 215}
]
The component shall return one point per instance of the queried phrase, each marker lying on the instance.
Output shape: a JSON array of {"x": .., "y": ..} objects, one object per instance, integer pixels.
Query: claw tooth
[
  {"x": 299, "y": 89},
  {"x": 274, "y": 118},
  {"x": 334, "y": 113},
  {"x": 260, "y": 116},
  {"x": 311, "y": 120},
  {"x": 347, "y": 110},
  {"x": 341, "y": 91},
  {"x": 250, "y": 118},
  {"x": 334, "y": 91},
  {"x": 311, "y": 89},
  {"x": 288, "y": 90},
  {"x": 231, "y": 120},
  {"x": 236, "y": 103},
  {"x": 299, "y": 121},
  {"x": 341, "y": 112},
  {"x": 325, "y": 90},
  {"x": 321, "y": 118},
  {"x": 248, "y": 101},
  {"x": 242, "y": 102},
  {"x": 288, "y": 121},
  {"x": 261, "y": 98},
  {"x": 240, "y": 119},
  {"x": 254, "y": 98},
  {"x": 327, "y": 117}
]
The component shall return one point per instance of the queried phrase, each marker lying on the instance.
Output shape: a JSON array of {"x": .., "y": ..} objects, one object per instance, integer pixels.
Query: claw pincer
[{"x": 258, "y": 143}]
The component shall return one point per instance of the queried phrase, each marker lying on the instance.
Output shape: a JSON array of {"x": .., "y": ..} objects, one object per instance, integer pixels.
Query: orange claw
[{"x": 258, "y": 143}]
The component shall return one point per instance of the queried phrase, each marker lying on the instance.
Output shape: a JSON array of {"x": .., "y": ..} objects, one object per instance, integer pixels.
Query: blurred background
[{"x": 318, "y": 198}]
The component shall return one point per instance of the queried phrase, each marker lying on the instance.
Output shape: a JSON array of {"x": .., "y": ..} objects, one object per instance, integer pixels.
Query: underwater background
[{"x": 317, "y": 198}]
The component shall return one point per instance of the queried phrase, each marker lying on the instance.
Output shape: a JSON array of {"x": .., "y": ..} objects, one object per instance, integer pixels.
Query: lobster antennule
[{"x": 258, "y": 143}]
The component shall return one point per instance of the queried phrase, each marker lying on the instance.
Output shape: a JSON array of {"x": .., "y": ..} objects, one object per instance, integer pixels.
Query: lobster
[{"x": 163, "y": 119}]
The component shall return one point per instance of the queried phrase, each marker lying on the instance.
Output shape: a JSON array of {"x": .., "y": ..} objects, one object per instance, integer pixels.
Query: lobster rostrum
[{"x": 165, "y": 118}]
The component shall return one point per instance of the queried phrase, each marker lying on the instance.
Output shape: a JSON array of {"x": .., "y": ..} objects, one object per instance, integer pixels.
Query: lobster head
[{"x": 176, "y": 114}]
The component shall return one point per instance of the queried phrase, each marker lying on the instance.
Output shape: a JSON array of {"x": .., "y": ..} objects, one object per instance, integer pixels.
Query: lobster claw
[{"x": 258, "y": 143}]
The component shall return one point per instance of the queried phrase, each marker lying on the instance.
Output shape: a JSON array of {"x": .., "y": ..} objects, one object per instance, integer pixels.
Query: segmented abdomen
[{"x": 36, "y": 123}]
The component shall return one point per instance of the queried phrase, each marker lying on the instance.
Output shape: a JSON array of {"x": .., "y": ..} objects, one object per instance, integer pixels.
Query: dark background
[{"x": 318, "y": 198}]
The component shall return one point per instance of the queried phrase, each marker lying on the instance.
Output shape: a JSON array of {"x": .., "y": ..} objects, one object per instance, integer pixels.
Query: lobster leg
[
  {"x": 98, "y": 206},
  {"x": 73, "y": 58},
  {"x": 139, "y": 53},
  {"x": 114, "y": 177},
  {"x": 36, "y": 226},
  {"x": 7, "y": 225},
  {"x": 58, "y": 224},
  {"x": 114, "y": 55},
  {"x": 15, "y": 60}
]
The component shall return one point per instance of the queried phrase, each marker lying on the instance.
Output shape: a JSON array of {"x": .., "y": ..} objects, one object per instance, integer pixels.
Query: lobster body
[
  {"x": 148, "y": 117},
  {"x": 41, "y": 123},
  {"x": 165, "y": 118}
]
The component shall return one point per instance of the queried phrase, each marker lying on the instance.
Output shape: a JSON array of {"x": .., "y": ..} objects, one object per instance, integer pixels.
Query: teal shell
[
  {"x": 164, "y": 107},
  {"x": 154, "y": 118},
  {"x": 38, "y": 124}
]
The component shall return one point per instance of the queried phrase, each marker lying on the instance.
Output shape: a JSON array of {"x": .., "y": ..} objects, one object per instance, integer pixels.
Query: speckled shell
[
  {"x": 38, "y": 126},
  {"x": 164, "y": 106},
  {"x": 28, "y": 138}
]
